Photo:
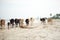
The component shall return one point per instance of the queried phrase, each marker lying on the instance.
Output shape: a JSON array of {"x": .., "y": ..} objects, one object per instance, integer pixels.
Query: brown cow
[
  {"x": 50, "y": 20},
  {"x": 21, "y": 23},
  {"x": 2, "y": 22}
]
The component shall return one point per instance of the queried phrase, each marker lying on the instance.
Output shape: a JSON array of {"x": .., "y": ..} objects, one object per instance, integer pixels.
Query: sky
[{"x": 28, "y": 8}]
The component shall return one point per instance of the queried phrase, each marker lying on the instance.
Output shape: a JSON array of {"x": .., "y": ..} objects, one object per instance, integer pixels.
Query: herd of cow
[{"x": 20, "y": 22}]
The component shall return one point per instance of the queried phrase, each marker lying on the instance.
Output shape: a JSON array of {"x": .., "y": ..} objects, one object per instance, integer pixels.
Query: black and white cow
[{"x": 27, "y": 22}]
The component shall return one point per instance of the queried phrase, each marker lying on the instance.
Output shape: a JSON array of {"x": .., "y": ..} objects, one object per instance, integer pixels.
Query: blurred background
[{"x": 28, "y": 8}]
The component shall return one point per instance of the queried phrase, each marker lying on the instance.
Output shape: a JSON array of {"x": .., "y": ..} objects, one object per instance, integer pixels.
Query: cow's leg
[
  {"x": 12, "y": 25},
  {"x": 1, "y": 26},
  {"x": 27, "y": 23},
  {"x": 16, "y": 24},
  {"x": 8, "y": 26},
  {"x": 19, "y": 24},
  {"x": 44, "y": 22}
]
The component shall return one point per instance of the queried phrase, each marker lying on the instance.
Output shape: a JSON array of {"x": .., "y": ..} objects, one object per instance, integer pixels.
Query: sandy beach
[{"x": 37, "y": 31}]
